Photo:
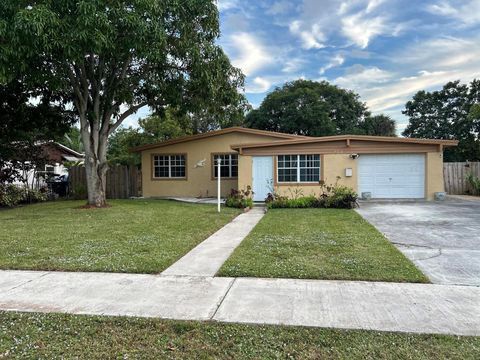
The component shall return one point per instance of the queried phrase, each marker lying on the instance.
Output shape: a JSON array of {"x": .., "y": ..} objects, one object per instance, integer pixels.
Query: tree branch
[
  {"x": 132, "y": 110},
  {"x": 83, "y": 81},
  {"x": 76, "y": 88}
]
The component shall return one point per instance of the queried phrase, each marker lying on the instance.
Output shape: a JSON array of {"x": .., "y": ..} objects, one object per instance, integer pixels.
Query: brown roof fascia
[
  {"x": 349, "y": 138},
  {"x": 215, "y": 133}
]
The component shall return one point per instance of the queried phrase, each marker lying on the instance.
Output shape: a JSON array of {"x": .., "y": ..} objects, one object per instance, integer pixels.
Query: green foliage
[
  {"x": 72, "y": 139},
  {"x": 112, "y": 58},
  {"x": 474, "y": 183},
  {"x": 79, "y": 192},
  {"x": 450, "y": 113},
  {"x": 312, "y": 108},
  {"x": 240, "y": 199},
  {"x": 284, "y": 202},
  {"x": 120, "y": 143},
  {"x": 169, "y": 124},
  {"x": 379, "y": 125},
  {"x": 13, "y": 195},
  {"x": 331, "y": 196},
  {"x": 342, "y": 197},
  {"x": 24, "y": 125},
  {"x": 34, "y": 196},
  {"x": 152, "y": 129}
]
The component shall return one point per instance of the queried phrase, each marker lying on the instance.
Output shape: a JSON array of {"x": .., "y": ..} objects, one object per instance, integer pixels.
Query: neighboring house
[
  {"x": 55, "y": 155},
  {"x": 388, "y": 167}
]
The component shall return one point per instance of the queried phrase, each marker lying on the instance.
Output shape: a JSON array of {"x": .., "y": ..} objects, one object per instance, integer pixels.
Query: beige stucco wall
[
  {"x": 332, "y": 166},
  {"x": 244, "y": 172},
  {"x": 434, "y": 174},
  {"x": 199, "y": 180},
  {"x": 335, "y": 164}
]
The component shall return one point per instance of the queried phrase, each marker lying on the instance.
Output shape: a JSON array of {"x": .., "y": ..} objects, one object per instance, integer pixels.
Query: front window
[
  {"x": 49, "y": 169},
  {"x": 228, "y": 166},
  {"x": 298, "y": 168},
  {"x": 169, "y": 166}
]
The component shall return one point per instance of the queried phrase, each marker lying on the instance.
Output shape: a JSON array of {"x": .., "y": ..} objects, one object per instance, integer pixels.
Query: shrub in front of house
[
  {"x": 13, "y": 195},
  {"x": 342, "y": 197},
  {"x": 335, "y": 196},
  {"x": 474, "y": 183},
  {"x": 240, "y": 198},
  {"x": 284, "y": 202}
]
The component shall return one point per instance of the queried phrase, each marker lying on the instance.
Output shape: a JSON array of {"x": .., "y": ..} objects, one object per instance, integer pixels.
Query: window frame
[
  {"x": 298, "y": 169},
  {"x": 46, "y": 171},
  {"x": 229, "y": 168},
  {"x": 169, "y": 178}
]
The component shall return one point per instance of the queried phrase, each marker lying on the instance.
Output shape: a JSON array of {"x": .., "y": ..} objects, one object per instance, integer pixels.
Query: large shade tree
[
  {"x": 313, "y": 108},
  {"x": 110, "y": 58},
  {"x": 449, "y": 113}
]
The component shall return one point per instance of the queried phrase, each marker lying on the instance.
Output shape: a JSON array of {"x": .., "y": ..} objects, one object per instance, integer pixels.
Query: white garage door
[{"x": 392, "y": 176}]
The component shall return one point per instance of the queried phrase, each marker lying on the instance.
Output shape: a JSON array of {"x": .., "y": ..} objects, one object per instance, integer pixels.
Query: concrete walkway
[
  {"x": 421, "y": 308},
  {"x": 207, "y": 258}
]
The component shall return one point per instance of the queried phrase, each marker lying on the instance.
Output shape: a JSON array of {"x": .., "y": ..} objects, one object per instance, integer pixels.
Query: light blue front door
[{"x": 262, "y": 176}]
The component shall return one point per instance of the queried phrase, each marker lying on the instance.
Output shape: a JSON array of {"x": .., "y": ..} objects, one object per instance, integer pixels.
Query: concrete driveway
[{"x": 441, "y": 238}]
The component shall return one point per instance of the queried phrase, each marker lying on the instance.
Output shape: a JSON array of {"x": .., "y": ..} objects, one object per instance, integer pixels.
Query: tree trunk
[
  {"x": 96, "y": 167},
  {"x": 96, "y": 172}
]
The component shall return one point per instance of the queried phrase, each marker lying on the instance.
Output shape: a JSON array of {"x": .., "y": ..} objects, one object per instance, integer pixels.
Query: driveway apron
[{"x": 441, "y": 238}]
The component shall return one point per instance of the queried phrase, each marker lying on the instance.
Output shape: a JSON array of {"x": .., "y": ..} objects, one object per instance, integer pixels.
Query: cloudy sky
[{"x": 386, "y": 50}]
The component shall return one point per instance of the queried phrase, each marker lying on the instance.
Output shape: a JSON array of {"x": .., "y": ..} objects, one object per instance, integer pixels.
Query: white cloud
[
  {"x": 444, "y": 52},
  {"x": 397, "y": 93},
  {"x": 293, "y": 65},
  {"x": 467, "y": 12},
  {"x": 426, "y": 65},
  {"x": 359, "y": 77},
  {"x": 279, "y": 7},
  {"x": 373, "y": 4},
  {"x": 337, "y": 60},
  {"x": 250, "y": 55},
  {"x": 258, "y": 85},
  {"x": 312, "y": 38},
  {"x": 358, "y": 21},
  {"x": 361, "y": 29},
  {"x": 224, "y": 5}
]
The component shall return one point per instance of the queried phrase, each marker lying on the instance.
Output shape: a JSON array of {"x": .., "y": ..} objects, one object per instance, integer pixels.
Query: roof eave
[
  {"x": 445, "y": 143},
  {"x": 216, "y": 133}
]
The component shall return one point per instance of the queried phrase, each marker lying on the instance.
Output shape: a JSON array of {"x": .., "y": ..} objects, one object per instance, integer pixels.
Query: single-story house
[
  {"x": 54, "y": 156},
  {"x": 387, "y": 167}
]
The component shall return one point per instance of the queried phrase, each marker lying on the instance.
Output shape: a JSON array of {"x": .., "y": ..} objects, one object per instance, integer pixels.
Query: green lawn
[
  {"x": 143, "y": 236},
  {"x": 319, "y": 244},
  {"x": 47, "y": 336}
]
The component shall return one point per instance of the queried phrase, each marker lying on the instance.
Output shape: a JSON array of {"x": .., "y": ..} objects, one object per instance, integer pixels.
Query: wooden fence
[
  {"x": 455, "y": 176},
  {"x": 122, "y": 181}
]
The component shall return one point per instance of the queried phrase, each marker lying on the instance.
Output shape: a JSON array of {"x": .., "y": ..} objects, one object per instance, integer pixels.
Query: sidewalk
[
  {"x": 207, "y": 257},
  {"x": 421, "y": 308}
]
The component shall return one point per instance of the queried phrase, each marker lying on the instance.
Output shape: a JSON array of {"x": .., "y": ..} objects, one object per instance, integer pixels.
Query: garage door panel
[{"x": 392, "y": 175}]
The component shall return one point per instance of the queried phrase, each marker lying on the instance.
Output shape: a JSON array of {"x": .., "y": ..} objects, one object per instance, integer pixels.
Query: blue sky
[{"x": 386, "y": 50}]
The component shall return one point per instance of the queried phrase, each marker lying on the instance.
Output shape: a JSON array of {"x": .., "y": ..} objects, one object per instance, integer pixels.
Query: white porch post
[{"x": 219, "y": 161}]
